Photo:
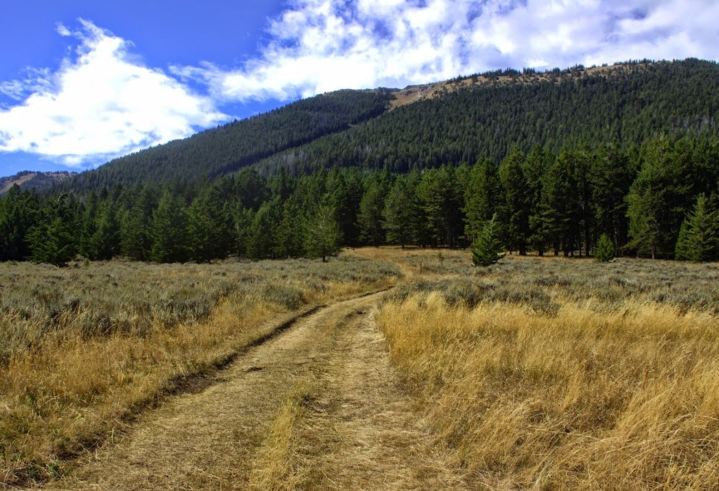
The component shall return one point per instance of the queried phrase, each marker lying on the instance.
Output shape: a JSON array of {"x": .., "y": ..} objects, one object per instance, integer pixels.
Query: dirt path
[{"x": 356, "y": 428}]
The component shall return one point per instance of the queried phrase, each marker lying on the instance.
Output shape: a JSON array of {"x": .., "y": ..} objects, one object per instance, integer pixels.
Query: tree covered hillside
[
  {"x": 623, "y": 104},
  {"x": 228, "y": 148}
]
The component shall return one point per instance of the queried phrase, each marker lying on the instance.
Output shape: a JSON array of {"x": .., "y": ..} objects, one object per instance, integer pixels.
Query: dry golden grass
[
  {"x": 273, "y": 466},
  {"x": 66, "y": 386},
  {"x": 600, "y": 391}
]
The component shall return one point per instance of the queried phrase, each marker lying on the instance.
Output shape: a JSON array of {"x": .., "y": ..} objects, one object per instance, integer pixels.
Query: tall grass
[
  {"x": 84, "y": 348},
  {"x": 560, "y": 374}
]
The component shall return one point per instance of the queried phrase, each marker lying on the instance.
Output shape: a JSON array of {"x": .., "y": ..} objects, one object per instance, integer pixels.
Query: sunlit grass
[
  {"x": 84, "y": 348},
  {"x": 567, "y": 374}
]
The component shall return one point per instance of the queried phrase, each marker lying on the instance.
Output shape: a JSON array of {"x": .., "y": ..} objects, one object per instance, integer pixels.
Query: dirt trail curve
[{"x": 356, "y": 429}]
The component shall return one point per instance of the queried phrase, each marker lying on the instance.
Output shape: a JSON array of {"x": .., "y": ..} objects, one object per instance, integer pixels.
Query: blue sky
[{"x": 84, "y": 81}]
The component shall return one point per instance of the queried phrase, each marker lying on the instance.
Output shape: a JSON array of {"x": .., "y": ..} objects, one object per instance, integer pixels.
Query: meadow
[
  {"x": 555, "y": 373},
  {"x": 85, "y": 348},
  {"x": 546, "y": 373}
]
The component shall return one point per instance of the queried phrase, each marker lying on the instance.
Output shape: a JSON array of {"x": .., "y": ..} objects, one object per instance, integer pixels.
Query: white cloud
[
  {"x": 322, "y": 45},
  {"x": 100, "y": 103},
  {"x": 63, "y": 30}
]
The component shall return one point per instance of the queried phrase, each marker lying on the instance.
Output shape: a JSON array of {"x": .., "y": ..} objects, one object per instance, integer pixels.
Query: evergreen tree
[
  {"x": 262, "y": 237},
  {"x": 561, "y": 208},
  {"x": 243, "y": 220},
  {"x": 605, "y": 249},
  {"x": 53, "y": 240},
  {"x": 399, "y": 213},
  {"x": 169, "y": 230},
  {"x": 19, "y": 212},
  {"x": 89, "y": 226},
  {"x": 682, "y": 249},
  {"x": 517, "y": 196},
  {"x": 658, "y": 199},
  {"x": 209, "y": 226},
  {"x": 699, "y": 236},
  {"x": 291, "y": 231},
  {"x": 441, "y": 199},
  {"x": 534, "y": 169},
  {"x": 136, "y": 226},
  {"x": 611, "y": 177},
  {"x": 105, "y": 240},
  {"x": 482, "y": 197},
  {"x": 322, "y": 235},
  {"x": 487, "y": 247},
  {"x": 345, "y": 193},
  {"x": 370, "y": 213}
]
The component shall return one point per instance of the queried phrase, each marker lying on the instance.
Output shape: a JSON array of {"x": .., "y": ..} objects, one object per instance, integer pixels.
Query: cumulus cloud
[
  {"x": 323, "y": 45},
  {"x": 100, "y": 103}
]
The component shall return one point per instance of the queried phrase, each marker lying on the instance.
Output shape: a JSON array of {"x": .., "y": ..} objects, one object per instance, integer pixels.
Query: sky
[{"x": 85, "y": 81}]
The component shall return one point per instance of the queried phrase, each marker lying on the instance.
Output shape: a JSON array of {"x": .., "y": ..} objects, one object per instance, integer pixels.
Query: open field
[
  {"x": 546, "y": 373},
  {"x": 555, "y": 373},
  {"x": 84, "y": 348}
]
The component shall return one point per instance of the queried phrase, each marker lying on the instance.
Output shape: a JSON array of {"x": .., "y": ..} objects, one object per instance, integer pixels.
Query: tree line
[{"x": 659, "y": 199}]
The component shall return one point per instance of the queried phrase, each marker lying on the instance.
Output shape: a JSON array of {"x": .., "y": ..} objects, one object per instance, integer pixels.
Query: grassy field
[
  {"x": 84, "y": 348},
  {"x": 545, "y": 373},
  {"x": 563, "y": 374}
]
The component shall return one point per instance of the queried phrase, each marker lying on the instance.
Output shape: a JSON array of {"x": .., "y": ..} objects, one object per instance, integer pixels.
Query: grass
[
  {"x": 274, "y": 466},
  {"x": 85, "y": 348},
  {"x": 564, "y": 374}
]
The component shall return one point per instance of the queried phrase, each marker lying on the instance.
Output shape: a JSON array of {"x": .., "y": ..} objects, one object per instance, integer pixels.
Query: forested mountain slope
[
  {"x": 228, "y": 148},
  {"x": 484, "y": 116},
  {"x": 460, "y": 120}
]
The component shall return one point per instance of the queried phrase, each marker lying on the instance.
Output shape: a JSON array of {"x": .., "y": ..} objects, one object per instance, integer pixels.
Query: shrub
[
  {"x": 605, "y": 249},
  {"x": 487, "y": 248}
]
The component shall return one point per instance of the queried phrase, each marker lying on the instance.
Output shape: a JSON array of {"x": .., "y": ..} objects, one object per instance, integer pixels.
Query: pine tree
[
  {"x": 611, "y": 177},
  {"x": 243, "y": 219},
  {"x": 517, "y": 196},
  {"x": 441, "y": 199},
  {"x": 88, "y": 227},
  {"x": 290, "y": 231},
  {"x": 482, "y": 197},
  {"x": 561, "y": 207},
  {"x": 105, "y": 240},
  {"x": 399, "y": 213},
  {"x": 659, "y": 198},
  {"x": 487, "y": 248},
  {"x": 322, "y": 234},
  {"x": 19, "y": 213},
  {"x": 605, "y": 249},
  {"x": 169, "y": 230},
  {"x": 534, "y": 169},
  {"x": 53, "y": 239},
  {"x": 682, "y": 249},
  {"x": 370, "y": 213},
  {"x": 209, "y": 226},
  {"x": 262, "y": 236},
  {"x": 136, "y": 226},
  {"x": 345, "y": 193},
  {"x": 699, "y": 235}
]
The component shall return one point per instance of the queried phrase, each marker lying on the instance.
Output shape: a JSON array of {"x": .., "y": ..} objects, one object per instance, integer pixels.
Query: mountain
[
  {"x": 38, "y": 181},
  {"x": 230, "y": 147},
  {"x": 460, "y": 120},
  {"x": 485, "y": 116}
]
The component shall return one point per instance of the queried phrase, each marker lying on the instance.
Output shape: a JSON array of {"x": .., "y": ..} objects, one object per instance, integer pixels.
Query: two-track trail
[{"x": 317, "y": 407}]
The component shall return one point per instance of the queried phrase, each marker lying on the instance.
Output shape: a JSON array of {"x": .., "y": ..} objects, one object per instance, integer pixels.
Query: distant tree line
[{"x": 658, "y": 199}]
